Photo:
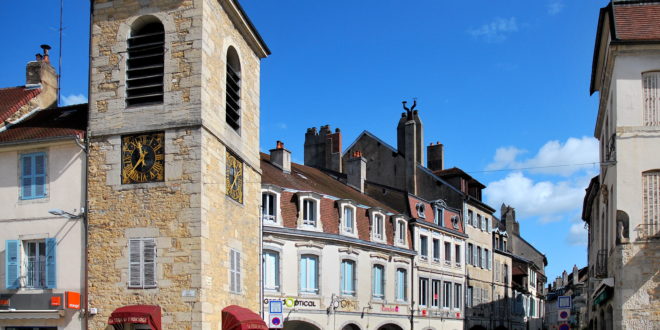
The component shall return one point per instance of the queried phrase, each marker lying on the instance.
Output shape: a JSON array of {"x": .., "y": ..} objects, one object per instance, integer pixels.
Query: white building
[{"x": 622, "y": 203}]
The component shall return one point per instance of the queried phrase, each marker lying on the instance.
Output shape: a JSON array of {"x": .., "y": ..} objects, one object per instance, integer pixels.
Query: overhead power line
[{"x": 539, "y": 167}]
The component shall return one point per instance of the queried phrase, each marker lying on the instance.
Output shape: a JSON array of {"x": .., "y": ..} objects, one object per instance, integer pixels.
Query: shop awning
[
  {"x": 240, "y": 318},
  {"x": 140, "y": 314}
]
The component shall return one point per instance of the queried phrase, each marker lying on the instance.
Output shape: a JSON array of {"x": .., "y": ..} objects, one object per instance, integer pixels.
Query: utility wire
[{"x": 538, "y": 167}]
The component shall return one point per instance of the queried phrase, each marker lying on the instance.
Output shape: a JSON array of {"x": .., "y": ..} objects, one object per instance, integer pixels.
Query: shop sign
[
  {"x": 391, "y": 308},
  {"x": 72, "y": 300},
  {"x": 348, "y": 305},
  {"x": 295, "y": 302},
  {"x": 4, "y": 302},
  {"x": 55, "y": 301}
]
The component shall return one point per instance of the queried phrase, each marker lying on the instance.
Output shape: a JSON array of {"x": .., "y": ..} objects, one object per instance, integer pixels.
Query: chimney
[
  {"x": 576, "y": 275},
  {"x": 508, "y": 213},
  {"x": 356, "y": 171},
  {"x": 435, "y": 156},
  {"x": 323, "y": 148},
  {"x": 281, "y": 157},
  {"x": 40, "y": 74}
]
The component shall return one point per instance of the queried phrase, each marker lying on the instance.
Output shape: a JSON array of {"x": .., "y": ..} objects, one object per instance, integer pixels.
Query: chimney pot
[
  {"x": 280, "y": 145},
  {"x": 38, "y": 57},
  {"x": 356, "y": 171},
  {"x": 281, "y": 157},
  {"x": 46, "y": 48}
]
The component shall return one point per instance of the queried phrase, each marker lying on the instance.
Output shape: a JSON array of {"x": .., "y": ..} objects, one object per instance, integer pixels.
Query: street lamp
[{"x": 66, "y": 214}]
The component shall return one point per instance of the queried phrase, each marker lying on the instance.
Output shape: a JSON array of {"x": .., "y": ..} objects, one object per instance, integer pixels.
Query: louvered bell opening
[
  {"x": 145, "y": 67},
  {"x": 233, "y": 108}
]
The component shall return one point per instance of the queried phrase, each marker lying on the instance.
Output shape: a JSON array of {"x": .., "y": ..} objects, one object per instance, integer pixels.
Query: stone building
[
  {"x": 43, "y": 164},
  {"x": 573, "y": 285},
  {"x": 502, "y": 306},
  {"x": 336, "y": 257},
  {"x": 173, "y": 176},
  {"x": 621, "y": 203}
]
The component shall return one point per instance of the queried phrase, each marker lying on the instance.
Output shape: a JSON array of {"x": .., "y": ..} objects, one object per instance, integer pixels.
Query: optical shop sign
[{"x": 296, "y": 302}]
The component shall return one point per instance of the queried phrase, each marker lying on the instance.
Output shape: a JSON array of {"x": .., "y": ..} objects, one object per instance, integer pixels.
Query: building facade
[
  {"x": 621, "y": 203},
  {"x": 573, "y": 285},
  {"x": 43, "y": 162},
  {"x": 173, "y": 176}
]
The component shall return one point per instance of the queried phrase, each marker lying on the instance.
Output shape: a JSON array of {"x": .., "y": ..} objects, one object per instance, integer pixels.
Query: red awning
[
  {"x": 239, "y": 318},
  {"x": 141, "y": 314}
]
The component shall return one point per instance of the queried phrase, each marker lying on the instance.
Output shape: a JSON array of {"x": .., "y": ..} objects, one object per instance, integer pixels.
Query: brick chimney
[
  {"x": 323, "y": 148},
  {"x": 435, "y": 157},
  {"x": 281, "y": 157},
  {"x": 356, "y": 171},
  {"x": 40, "y": 74}
]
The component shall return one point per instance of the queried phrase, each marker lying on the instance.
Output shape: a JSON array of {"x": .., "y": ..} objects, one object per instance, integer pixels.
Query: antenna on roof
[{"x": 59, "y": 65}]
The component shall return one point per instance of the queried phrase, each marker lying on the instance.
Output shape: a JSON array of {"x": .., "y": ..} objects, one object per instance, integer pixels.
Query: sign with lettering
[
  {"x": 298, "y": 303},
  {"x": 348, "y": 305},
  {"x": 72, "y": 300}
]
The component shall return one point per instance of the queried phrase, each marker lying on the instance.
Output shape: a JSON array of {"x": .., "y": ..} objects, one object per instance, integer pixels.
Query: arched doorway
[
  {"x": 299, "y": 325},
  {"x": 390, "y": 326},
  {"x": 350, "y": 326}
]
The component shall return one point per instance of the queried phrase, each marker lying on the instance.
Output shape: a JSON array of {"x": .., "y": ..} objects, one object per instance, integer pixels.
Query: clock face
[
  {"x": 143, "y": 158},
  {"x": 234, "y": 177}
]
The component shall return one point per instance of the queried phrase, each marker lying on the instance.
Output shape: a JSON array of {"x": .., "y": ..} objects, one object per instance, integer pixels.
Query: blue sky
[{"x": 502, "y": 84}]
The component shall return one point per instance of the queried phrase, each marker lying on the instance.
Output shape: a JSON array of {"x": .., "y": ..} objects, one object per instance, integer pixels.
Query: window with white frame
[
  {"x": 424, "y": 246},
  {"x": 142, "y": 263},
  {"x": 436, "y": 250},
  {"x": 401, "y": 231},
  {"x": 271, "y": 270},
  {"x": 532, "y": 278},
  {"x": 446, "y": 302},
  {"x": 235, "y": 271},
  {"x": 378, "y": 227},
  {"x": 33, "y": 175},
  {"x": 348, "y": 219},
  {"x": 651, "y": 91},
  {"x": 457, "y": 254},
  {"x": 31, "y": 264},
  {"x": 435, "y": 293},
  {"x": 458, "y": 289},
  {"x": 470, "y": 218},
  {"x": 447, "y": 253},
  {"x": 423, "y": 292},
  {"x": 651, "y": 202},
  {"x": 309, "y": 212},
  {"x": 421, "y": 209},
  {"x": 401, "y": 284},
  {"x": 347, "y": 277},
  {"x": 439, "y": 214},
  {"x": 378, "y": 282},
  {"x": 269, "y": 207},
  {"x": 309, "y": 272}
]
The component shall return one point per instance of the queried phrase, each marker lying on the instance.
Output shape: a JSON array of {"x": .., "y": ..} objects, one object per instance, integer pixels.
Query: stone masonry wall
[{"x": 168, "y": 211}]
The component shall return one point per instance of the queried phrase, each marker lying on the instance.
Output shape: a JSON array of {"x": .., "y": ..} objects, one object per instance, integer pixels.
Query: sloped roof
[
  {"x": 69, "y": 121},
  {"x": 13, "y": 98},
  {"x": 637, "y": 21},
  {"x": 305, "y": 178}
]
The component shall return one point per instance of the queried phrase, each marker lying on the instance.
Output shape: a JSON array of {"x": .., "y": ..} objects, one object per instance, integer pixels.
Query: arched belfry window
[
  {"x": 233, "y": 102},
  {"x": 145, "y": 65}
]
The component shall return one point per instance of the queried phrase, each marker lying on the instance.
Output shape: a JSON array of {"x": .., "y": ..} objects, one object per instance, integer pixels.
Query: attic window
[
  {"x": 420, "y": 210},
  {"x": 145, "y": 65},
  {"x": 233, "y": 94}
]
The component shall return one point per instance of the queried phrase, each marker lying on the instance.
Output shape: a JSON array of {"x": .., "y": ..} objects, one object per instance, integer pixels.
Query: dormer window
[
  {"x": 454, "y": 221},
  {"x": 145, "y": 64},
  {"x": 439, "y": 216},
  {"x": 378, "y": 226},
  {"x": 347, "y": 220},
  {"x": 400, "y": 232},
  {"x": 420, "y": 210},
  {"x": 268, "y": 208},
  {"x": 309, "y": 211}
]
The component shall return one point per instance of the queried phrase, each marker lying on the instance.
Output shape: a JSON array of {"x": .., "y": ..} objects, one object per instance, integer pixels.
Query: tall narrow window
[
  {"x": 348, "y": 220},
  {"x": 268, "y": 203},
  {"x": 435, "y": 291},
  {"x": 506, "y": 274},
  {"x": 145, "y": 64},
  {"x": 142, "y": 269},
  {"x": 33, "y": 175},
  {"x": 401, "y": 284},
  {"x": 651, "y": 86},
  {"x": 436, "y": 250},
  {"x": 271, "y": 270},
  {"x": 447, "y": 253},
  {"x": 439, "y": 216},
  {"x": 446, "y": 302},
  {"x": 424, "y": 246},
  {"x": 378, "y": 227},
  {"x": 235, "y": 271},
  {"x": 470, "y": 252},
  {"x": 479, "y": 222},
  {"x": 470, "y": 219},
  {"x": 480, "y": 258},
  {"x": 309, "y": 270},
  {"x": 487, "y": 257},
  {"x": 457, "y": 295},
  {"x": 458, "y": 255},
  {"x": 233, "y": 94},
  {"x": 348, "y": 277},
  {"x": 423, "y": 292},
  {"x": 378, "y": 285},
  {"x": 309, "y": 212},
  {"x": 468, "y": 297},
  {"x": 401, "y": 232},
  {"x": 651, "y": 203}
]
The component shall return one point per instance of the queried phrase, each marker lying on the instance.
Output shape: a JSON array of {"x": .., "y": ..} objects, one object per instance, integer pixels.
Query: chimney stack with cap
[
  {"x": 40, "y": 74},
  {"x": 281, "y": 157},
  {"x": 356, "y": 171},
  {"x": 435, "y": 157}
]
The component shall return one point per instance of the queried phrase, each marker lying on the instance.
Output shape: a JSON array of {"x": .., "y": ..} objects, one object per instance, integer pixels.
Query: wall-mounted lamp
[{"x": 66, "y": 214}]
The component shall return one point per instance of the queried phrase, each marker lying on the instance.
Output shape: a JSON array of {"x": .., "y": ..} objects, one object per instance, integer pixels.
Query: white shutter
[
  {"x": 135, "y": 263},
  {"x": 651, "y": 85},
  {"x": 238, "y": 271},
  {"x": 149, "y": 264}
]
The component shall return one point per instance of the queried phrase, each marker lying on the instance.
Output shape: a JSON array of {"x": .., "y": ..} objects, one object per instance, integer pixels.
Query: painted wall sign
[
  {"x": 348, "y": 305},
  {"x": 390, "y": 308}
]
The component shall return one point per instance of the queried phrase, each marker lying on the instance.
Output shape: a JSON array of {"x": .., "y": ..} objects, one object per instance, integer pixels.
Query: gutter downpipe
[
  {"x": 87, "y": 138},
  {"x": 412, "y": 291}
]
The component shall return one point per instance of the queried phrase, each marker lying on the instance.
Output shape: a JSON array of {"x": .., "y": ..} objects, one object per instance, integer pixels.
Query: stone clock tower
[{"x": 174, "y": 179}]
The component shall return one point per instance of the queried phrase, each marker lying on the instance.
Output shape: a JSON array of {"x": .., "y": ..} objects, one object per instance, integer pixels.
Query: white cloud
[
  {"x": 552, "y": 158},
  {"x": 577, "y": 234},
  {"x": 74, "y": 99},
  {"x": 495, "y": 31},
  {"x": 555, "y": 7},
  {"x": 548, "y": 200}
]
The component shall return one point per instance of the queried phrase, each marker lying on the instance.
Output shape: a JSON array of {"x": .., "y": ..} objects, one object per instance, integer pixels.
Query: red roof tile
[
  {"x": 13, "y": 98},
  {"x": 637, "y": 21},
  {"x": 48, "y": 124}
]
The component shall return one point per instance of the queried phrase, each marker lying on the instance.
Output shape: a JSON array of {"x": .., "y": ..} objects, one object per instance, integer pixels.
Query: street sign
[
  {"x": 275, "y": 306},
  {"x": 276, "y": 321},
  {"x": 563, "y": 314},
  {"x": 564, "y": 326},
  {"x": 564, "y": 302}
]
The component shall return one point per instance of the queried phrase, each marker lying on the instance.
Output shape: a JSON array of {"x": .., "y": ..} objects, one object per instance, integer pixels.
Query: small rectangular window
[
  {"x": 435, "y": 288},
  {"x": 271, "y": 271},
  {"x": 309, "y": 212},
  {"x": 348, "y": 277},
  {"x": 423, "y": 291},
  {"x": 268, "y": 203},
  {"x": 401, "y": 285},
  {"x": 142, "y": 269},
  {"x": 651, "y": 87},
  {"x": 470, "y": 252},
  {"x": 401, "y": 232},
  {"x": 33, "y": 175},
  {"x": 436, "y": 250},
  {"x": 468, "y": 297},
  {"x": 378, "y": 282},
  {"x": 447, "y": 253},
  {"x": 378, "y": 227},
  {"x": 235, "y": 271},
  {"x": 424, "y": 246},
  {"x": 348, "y": 219},
  {"x": 458, "y": 255},
  {"x": 457, "y": 295},
  {"x": 446, "y": 303},
  {"x": 309, "y": 274}
]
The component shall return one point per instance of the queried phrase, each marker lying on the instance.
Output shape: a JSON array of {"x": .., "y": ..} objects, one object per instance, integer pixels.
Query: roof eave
[
  {"x": 599, "y": 33},
  {"x": 249, "y": 31}
]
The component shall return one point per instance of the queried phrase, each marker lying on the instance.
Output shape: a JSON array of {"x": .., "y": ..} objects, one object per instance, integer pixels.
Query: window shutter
[
  {"x": 26, "y": 177},
  {"x": 303, "y": 274},
  {"x": 135, "y": 265},
  {"x": 238, "y": 271},
  {"x": 51, "y": 263},
  {"x": 651, "y": 85},
  {"x": 313, "y": 275},
  {"x": 12, "y": 264},
  {"x": 40, "y": 175},
  {"x": 475, "y": 260},
  {"x": 149, "y": 258}
]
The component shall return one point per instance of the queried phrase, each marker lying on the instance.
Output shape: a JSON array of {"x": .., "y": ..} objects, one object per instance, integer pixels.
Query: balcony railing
[
  {"x": 601, "y": 263},
  {"x": 647, "y": 231}
]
